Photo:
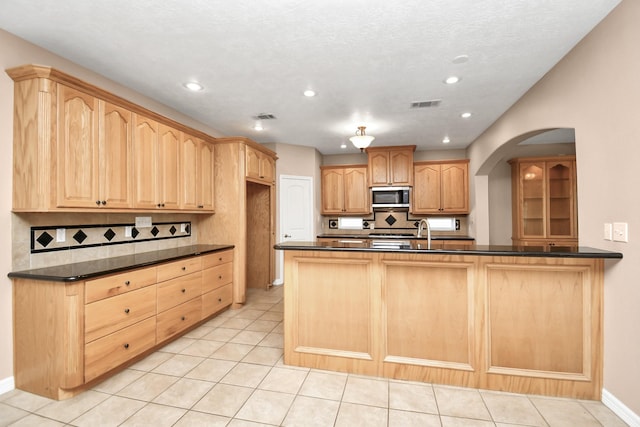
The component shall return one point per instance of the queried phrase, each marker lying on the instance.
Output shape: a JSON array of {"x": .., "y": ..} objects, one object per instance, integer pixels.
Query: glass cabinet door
[
  {"x": 533, "y": 199},
  {"x": 560, "y": 188}
]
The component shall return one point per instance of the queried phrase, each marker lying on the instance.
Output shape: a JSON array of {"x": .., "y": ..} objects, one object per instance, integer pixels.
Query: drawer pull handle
[
  {"x": 183, "y": 318},
  {"x": 184, "y": 290},
  {"x": 127, "y": 283},
  {"x": 126, "y": 346},
  {"x": 184, "y": 268},
  {"x": 126, "y": 310}
]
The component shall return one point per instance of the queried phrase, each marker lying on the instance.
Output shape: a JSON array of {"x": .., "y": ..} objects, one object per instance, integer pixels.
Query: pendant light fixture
[{"x": 361, "y": 140}]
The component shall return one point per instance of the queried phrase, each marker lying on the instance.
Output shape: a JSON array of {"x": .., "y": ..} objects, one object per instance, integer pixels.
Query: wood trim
[{"x": 439, "y": 162}]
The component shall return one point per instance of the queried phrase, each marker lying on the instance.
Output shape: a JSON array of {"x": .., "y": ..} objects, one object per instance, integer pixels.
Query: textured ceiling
[{"x": 367, "y": 60}]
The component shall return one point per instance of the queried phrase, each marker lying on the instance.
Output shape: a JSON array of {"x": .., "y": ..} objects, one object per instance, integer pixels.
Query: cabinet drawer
[
  {"x": 216, "y": 300},
  {"x": 179, "y": 268},
  {"x": 109, "y": 315},
  {"x": 220, "y": 275},
  {"x": 179, "y": 290},
  {"x": 117, "y": 284},
  {"x": 108, "y": 352},
  {"x": 178, "y": 318},
  {"x": 211, "y": 260}
]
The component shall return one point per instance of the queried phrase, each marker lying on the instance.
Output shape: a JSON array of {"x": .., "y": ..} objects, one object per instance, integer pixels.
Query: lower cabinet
[{"x": 69, "y": 334}]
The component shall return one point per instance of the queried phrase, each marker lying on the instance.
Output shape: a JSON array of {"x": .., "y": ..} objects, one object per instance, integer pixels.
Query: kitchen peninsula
[{"x": 517, "y": 319}]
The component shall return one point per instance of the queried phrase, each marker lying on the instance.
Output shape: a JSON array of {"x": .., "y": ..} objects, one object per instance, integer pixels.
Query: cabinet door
[
  {"x": 115, "y": 156},
  {"x": 379, "y": 169},
  {"x": 560, "y": 203},
  {"x": 77, "y": 149},
  {"x": 455, "y": 188},
  {"x": 145, "y": 153},
  {"x": 426, "y": 189},
  {"x": 356, "y": 191},
  {"x": 401, "y": 167},
  {"x": 252, "y": 159},
  {"x": 189, "y": 153},
  {"x": 532, "y": 200},
  {"x": 169, "y": 167},
  {"x": 267, "y": 168},
  {"x": 332, "y": 191},
  {"x": 205, "y": 183}
]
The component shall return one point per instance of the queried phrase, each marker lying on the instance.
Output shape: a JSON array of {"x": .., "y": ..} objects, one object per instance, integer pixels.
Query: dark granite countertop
[
  {"x": 373, "y": 235},
  {"x": 482, "y": 250},
  {"x": 89, "y": 269}
]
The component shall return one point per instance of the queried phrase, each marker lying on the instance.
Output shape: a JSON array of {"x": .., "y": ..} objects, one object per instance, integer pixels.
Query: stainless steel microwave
[{"x": 390, "y": 197}]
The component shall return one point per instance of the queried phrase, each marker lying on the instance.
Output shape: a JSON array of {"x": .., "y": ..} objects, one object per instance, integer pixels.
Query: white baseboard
[
  {"x": 6, "y": 385},
  {"x": 620, "y": 409}
]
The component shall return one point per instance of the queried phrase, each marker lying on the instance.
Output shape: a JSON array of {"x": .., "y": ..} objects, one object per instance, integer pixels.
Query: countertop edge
[
  {"x": 41, "y": 273},
  {"x": 581, "y": 252}
]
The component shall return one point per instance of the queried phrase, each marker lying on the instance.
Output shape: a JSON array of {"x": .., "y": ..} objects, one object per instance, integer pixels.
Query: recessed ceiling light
[
  {"x": 460, "y": 59},
  {"x": 309, "y": 93},
  {"x": 194, "y": 86},
  {"x": 465, "y": 115},
  {"x": 452, "y": 80},
  {"x": 343, "y": 146},
  {"x": 258, "y": 126},
  {"x": 446, "y": 140}
]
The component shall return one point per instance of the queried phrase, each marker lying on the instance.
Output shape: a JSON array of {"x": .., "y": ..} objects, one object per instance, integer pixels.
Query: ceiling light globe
[{"x": 194, "y": 86}]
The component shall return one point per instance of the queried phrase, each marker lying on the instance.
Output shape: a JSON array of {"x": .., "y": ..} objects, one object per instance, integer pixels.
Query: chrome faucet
[{"x": 424, "y": 223}]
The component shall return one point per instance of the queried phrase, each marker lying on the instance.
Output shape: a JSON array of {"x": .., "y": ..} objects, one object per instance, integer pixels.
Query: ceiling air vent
[
  {"x": 426, "y": 104},
  {"x": 264, "y": 116}
]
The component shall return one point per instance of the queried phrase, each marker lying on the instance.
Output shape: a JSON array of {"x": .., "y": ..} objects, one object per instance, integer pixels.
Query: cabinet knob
[
  {"x": 200, "y": 206},
  {"x": 219, "y": 299},
  {"x": 126, "y": 310},
  {"x": 127, "y": 283},
  {"x": 158, "y": 205},
  {"x": 261, "y": 176},
  {"x": 184, "y": 268},
  {"x": 220, "y": 259},
  {"x": 184, "y": 290},
  {"x": 126, "y": 345},
  {"x": 220, "y": 276},
  {"x": 162, "y": 205},
  {"x": 98, "y": 202},
  {"x": 104, "y": 202},
  {"x": 183, "y": 318}
]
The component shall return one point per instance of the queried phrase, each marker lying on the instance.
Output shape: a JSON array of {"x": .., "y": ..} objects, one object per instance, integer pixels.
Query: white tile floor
[{"x": 229, "y": 372}]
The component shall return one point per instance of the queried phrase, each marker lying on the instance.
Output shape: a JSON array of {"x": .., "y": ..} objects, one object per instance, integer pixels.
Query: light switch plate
[
  {"x": 608, "y": 231},
  {"x": 620, "y": 232},
  {"x": 128, "y": 229},
  {"x": 143, "y": 222},
  {"x": 61, "y": 235}
]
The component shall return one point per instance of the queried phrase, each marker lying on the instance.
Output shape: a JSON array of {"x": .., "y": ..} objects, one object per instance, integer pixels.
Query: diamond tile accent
[
  {"x": 134, "y": 232},
  {"x": 187, "y": 229},
  {"x": 80, "y": 236},
  {"x": 109, "y": 234},
  {"x": 390, "y": 220},
  {"x": 155, "y": 231},
  {"x": 44, "y": 239},
  {"x": 172, "y": 230},
  {"x": 365, "y": 224}
]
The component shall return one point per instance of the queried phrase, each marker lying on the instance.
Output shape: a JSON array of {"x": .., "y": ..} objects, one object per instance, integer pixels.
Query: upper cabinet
[
  {"x": 260, "y": 166},
  {"x": 544, "y": 201},
  {"x": 390, "y": 165},
  {"x": 80, "y": 148},
  {"x": 345, "y": 190},
  {"x": 441, "y": 187}
]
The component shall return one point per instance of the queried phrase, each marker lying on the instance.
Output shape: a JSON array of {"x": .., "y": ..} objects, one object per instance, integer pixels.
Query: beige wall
[
  {"x": 594, "y": 89},
  {"x": 15, "y": 52}
]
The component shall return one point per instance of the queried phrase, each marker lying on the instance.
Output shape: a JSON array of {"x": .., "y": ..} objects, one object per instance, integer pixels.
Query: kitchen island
[{"x": 517, "y": 319}]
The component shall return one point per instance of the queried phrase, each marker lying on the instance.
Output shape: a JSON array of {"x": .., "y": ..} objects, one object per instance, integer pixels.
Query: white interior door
[{"x": 296, "y": 213}]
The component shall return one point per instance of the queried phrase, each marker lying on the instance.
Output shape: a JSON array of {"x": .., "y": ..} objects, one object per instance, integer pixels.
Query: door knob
[{"x": 286, "y": 236}]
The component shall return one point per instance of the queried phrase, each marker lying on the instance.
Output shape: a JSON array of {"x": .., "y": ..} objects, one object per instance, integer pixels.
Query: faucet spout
[{"x": 424, "y": 223}]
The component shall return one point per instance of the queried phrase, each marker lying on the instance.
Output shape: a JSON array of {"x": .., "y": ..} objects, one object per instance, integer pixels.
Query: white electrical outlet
[
  {"x": 127, "y": 230},
  {"x": 608, "y": 231},
  {"x": 620, "y": 232},
  {"x": 143, "y": 222},
  {"x": 183, "y": 228},
  {"x": 61, "y": 235}
]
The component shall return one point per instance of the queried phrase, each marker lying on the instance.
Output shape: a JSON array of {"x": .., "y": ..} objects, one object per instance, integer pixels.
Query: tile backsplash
[{"x": 388, "y": 221}]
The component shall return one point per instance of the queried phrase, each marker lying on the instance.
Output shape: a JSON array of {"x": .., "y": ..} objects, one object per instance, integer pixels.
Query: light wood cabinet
[
  {"x": 260, "y": 166},
  {"x": 78, "y": 148},
  {"x": 197, "y": 174},
  {"x": 248, "y": 218},
  {"x": 390, "y": 165},
  {"x": 69, "y": 334},
  {"x": 544, "y": 201},
  {"x": 441, "y": 187},
  {"x": 345, "y": 190}
]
